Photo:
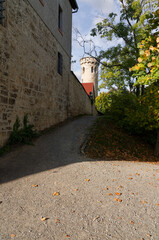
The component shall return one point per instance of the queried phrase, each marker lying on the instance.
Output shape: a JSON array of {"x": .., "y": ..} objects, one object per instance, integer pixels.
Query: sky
[{"x": 90, "y": 12}]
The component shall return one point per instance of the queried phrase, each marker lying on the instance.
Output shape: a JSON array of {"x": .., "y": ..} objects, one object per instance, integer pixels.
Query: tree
[
  {"x": 147, "y": 73},
  {"x": 130, "y": 29}
]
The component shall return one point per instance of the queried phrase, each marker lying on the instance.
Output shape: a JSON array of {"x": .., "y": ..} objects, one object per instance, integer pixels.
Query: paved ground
[{"x": 87, "y": 207}]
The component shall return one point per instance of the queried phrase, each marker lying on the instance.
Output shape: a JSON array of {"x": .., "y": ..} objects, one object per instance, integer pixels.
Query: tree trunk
[{"x": 157, "y": 145}]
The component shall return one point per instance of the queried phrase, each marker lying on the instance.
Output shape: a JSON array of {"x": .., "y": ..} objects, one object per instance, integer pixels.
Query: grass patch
[{"x": 110, "y": 142}]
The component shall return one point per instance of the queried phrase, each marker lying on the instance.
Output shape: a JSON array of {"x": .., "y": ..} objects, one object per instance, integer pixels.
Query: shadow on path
[{"x": 59, "y": 148}]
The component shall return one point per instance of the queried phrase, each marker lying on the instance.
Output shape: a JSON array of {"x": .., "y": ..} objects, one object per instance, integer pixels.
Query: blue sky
[{"x": 90, "y": 12}]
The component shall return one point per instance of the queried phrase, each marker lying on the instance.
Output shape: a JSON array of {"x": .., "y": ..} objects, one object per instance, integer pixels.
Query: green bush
[{"x": 22, "y": 135}]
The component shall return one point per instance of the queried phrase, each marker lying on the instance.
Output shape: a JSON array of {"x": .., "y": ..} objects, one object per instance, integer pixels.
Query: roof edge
[{"x": 74, "y": 4}]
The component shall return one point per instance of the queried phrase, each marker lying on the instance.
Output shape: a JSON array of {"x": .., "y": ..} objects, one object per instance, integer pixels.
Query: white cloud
[{"x": 102, "y": 6}]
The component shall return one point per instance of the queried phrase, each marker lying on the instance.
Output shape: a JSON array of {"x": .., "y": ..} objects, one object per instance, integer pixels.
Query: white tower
[{"x": 89, "y": 67}]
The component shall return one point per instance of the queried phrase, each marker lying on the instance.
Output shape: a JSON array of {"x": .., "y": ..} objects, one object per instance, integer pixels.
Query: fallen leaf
[
  {"x": 34, "y": 185},
  {"x": 13, "y": 235},
  {"x": 44, "y": 219},
  {"x": 158, "y": 179},
  {"x": 106, "y": 188},
  {"x": 67, "y": 236},
  {"x": 148, "y": 235},
  {"x": 95, "y": 218},
  {"x": 57, "y": 220},
  {"x": 137, "y": 174},
  {"x": 142, "y": 239},
  {"x": 87, "y": 180},
  {"x": 76, "y": 189},
  {"x": 132, "y": 193},
  {"x": 109, "y": 186},
  {"x": 132, "y": 222},
  {"x": 118, "y": 200},
  {"x": 109, "y": 194},
  {"x": 157, "y": 204},
  {"x": 118, "y": 194},
  {"x": 130, "y": 178},
  {"x": 120, "y": 186},
  {"x": 143, "y": 202},
  {"x": 56, "y": 194}
]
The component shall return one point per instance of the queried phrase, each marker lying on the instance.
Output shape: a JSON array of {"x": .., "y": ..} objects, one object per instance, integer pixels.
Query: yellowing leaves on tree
[
  {"x": 152, "y": 48},
  {"x": 149, "y": 64},
  {"x": 137, "y": 67},
  {"x": 147, "y": 53},
  {"x": 153, "y": 58},
  {"x": 140, "y": 59},
  {"x": 157, "y": 39}
]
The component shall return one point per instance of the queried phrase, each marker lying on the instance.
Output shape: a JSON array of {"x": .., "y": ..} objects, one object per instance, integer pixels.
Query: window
[
  {"x": 83, "y": 69},
  {"x": 1, "y": 11},
  {"x": 60, "y": 18},
  {"x": 60, "y": 63},
  {"x": 91, "y": 69}
]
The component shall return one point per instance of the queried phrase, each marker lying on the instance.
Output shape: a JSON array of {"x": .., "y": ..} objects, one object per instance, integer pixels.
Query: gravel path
[{"x": 73, "y": 195}]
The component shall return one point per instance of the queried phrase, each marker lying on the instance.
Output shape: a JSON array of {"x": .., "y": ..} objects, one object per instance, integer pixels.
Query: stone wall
[{"x": 29, "y": 82}]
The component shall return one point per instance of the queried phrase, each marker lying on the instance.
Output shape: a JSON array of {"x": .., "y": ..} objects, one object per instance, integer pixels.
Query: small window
[
  {"x": 60, "y": 18},
  {"x": 1, "y": 12},
  {"x": 83, "y": 69},
  {"x": 91, "y": 69},
  {"x": 60, "y": 63}
]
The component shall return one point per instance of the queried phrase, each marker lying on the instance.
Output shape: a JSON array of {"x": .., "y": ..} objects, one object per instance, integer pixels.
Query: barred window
[
  {"x": 60, "y": 63},
  {"x": 2, "y": 11}
]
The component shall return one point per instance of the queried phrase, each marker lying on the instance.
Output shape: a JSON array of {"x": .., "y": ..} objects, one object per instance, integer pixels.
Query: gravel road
[{"x": 51, "y": 192}]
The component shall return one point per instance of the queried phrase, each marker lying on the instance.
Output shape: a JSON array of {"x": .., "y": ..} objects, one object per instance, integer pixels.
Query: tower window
[
  {"x": 60, "y": 13},
  {"x": 91, "y": 69},
  {"x": 60, "y": 63},
  {"x": 83, "y": 69},
  {"x": 1, "y": 11}
]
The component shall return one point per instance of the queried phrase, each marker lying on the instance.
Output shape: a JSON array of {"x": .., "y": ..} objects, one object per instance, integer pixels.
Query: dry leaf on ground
[
  {"x": 67, "y": 236},
  {"x": 57, "y": 220},
  {"x": 143, "y": 202},
  {"x": 118, "y": 200},
  {"x": 132, "y": 222},
  {"x": 109, "y": 194},
  {"x": 34, "y": 185},
  {"x": 13, "y": 235},
  {"x": 76, "y": 189},
  {"x": 56, "y": 194},
  {"x": 118, "y": 194},
  {"x": 44, "y": 219},
  {"x": 87, "y": 179},
  {"x": 157, "y": 204},
  {"x": 130, "y": 178}
]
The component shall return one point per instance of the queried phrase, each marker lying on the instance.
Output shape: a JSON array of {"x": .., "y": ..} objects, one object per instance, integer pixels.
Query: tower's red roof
[{"x": 88, "y": 87}]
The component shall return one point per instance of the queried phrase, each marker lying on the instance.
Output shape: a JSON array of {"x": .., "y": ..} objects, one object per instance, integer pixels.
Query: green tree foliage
[
  {"x": 131, "y": 29},
  {"x": 147, "y": 73}
]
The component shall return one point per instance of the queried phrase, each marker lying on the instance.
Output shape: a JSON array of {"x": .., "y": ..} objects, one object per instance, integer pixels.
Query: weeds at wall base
[{"x": 19, "y": 135}]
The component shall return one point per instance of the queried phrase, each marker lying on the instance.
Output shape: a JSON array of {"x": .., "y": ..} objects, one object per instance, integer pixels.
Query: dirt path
[{"x": 86, "y": 207}]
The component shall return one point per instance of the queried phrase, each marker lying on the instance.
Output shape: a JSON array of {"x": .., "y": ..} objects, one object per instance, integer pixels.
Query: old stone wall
[{"x": 29, "y": 82}]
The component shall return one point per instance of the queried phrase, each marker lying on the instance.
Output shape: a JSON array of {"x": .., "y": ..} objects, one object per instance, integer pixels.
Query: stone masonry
[{"x": 29, "y": 82}]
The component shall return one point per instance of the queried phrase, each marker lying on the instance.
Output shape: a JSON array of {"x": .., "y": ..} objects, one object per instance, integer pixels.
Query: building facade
[{"x": 35, "y": 58}]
